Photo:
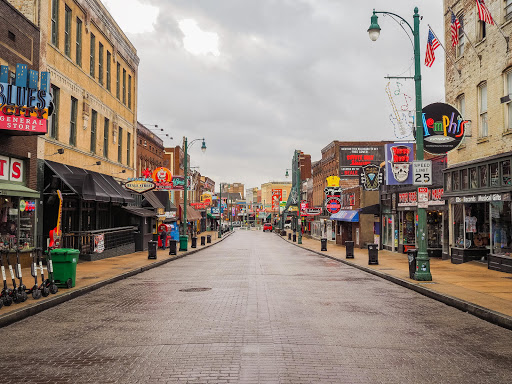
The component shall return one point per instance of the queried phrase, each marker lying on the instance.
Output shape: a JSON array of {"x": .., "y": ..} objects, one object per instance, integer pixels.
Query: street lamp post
[
  {"x": 184, "y": 236},
  {"x": 298, "y": 186},
  {"x": 423, "y": 270}
]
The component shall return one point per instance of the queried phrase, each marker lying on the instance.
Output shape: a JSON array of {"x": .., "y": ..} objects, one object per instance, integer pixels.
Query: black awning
[
  {"x": 140, "y": 211},
  {"x": 150, "y": 199},
  {"x": 89, "y": 185},
  {"x": 371, "y": 210}
]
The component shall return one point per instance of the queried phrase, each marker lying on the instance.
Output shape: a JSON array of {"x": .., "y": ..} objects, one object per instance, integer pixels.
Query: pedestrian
[{"x": 163, "y": 237}]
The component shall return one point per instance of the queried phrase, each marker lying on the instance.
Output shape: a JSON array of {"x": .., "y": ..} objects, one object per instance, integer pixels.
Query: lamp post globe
[{"x": 374, "y": 30}]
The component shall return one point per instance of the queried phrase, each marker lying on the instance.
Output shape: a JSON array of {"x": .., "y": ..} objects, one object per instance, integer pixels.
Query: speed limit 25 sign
[{"x": 422, "y": 172}]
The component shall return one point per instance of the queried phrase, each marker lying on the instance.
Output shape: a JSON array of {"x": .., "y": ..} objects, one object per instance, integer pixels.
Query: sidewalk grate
[
  {"x": 429, "y": 282},
  {"x": 194, "y": 289}
]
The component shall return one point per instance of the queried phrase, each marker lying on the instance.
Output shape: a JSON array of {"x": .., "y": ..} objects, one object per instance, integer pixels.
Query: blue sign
[{"x": 399, "y": 158}]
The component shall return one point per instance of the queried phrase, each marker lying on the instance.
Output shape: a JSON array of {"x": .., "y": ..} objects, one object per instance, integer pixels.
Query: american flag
[
  {"x": 432, "y": 44},
  {"x": 455, "y": 30},
  {"x": 483, "y": 12}
]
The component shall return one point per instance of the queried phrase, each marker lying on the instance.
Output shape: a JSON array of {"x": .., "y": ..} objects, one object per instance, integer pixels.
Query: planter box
[
  {"x": 500, "y": 263},
  {"x": 461, "y": 255}
]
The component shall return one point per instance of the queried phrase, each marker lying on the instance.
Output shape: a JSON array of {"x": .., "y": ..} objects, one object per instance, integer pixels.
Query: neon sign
[{"x": 443, "y": 128}]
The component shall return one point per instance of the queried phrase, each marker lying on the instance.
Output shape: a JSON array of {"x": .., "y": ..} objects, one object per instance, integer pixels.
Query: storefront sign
[
  {"x": 170, "y": 214},
  {"x": 443, "y": 128},
  {"x": 277, "y": 195},
  {"x": 199, "y": 205},
  {"x": 481, "y": 198},
  {"x": 399, "y": 157},
  {"x": 422, "y": 172},
  {"x": 370, "y": 177},
  {"x": 353, "y": 158},
  {"x": 423, "y": 198},
  {"x": 333, "y": 204},
  {"x": 11, "y": 169},
  {"x": 140, "y": 185},
  {"x": 24, "y": 109},
  {"x": 312, "y": 212},
  {"x": 164, "y": 180}
]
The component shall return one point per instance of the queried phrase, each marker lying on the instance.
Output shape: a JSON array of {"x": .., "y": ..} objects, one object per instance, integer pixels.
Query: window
[
  {"x": 461, "y": 106},
  {"x": 120, "y": 145},
  {"x": 447, "y": 182},
  {"x": 109, "y": 61},
  {"x": 460, "y": 46},
  {"x": 473, "y": 178},
  {"x": 465, "y": 179},
  {"x": 508, "y": 10},
  {"x": 118, "y": 81},
  {"x": 53, "y": 122},
  {"x": 124, "y": 86},
  {"x": 94, "y": 122},
  {"x": 93, "y": 55},
  {"x": 67, "y": 31},
  {"x": 481, "y": 30},
  {"x": 55, "y": 22},
  {"x": 484, "y": 179},
  {"x": 455, "y": 180},
  {"x": 128, "y": 145},
  {"x": 100, "y": 63},
  {"x": 494, "y": 171},
  {"x": 129, "y": 92},
  {"x": 508, "y": 104},
  {"x": 72, "y": 121},
  {"x": 105, "y": 137},
  {"x": 482, "y": 99},
  {"x": 78, "y": 42},
  {"x": 505, "y": 173}
]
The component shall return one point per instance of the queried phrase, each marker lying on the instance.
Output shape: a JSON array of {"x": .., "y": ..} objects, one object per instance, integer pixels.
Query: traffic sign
[{"x": 422, "y": 172}]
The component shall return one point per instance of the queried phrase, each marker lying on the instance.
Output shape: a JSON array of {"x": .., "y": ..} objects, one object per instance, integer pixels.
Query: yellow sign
[
  {"x": 293, "y": 208},
  {"x": 333, "y": 181}
]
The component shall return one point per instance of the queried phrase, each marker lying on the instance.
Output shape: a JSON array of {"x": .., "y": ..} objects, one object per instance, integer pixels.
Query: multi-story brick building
[
  {"x": 234, "y": 188},
  {"x": 477, "y": 182},
  {"x": 19, "y": 207},
  {"x": 150, "y": 150}
]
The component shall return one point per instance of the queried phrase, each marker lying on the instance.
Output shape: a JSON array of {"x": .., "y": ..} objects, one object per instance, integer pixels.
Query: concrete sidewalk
[
  {"x": 91, "y": 275},
  {"x": 470, "y": 287}
]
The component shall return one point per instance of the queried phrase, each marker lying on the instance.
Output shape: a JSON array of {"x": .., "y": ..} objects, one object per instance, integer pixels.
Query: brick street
[{"x": 275, "y": 313}]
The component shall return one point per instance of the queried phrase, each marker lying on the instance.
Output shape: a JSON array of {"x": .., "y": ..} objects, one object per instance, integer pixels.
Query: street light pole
[
  {"x": 299, "y": 190},
  {"x": 184, "y": 236},
  {"x": 220, "y": 210},
  {"x": 422, "y": 261}
]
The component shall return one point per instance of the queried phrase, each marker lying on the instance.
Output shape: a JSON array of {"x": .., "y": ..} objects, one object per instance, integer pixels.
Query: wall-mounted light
[{"x": 60, "y": 151}]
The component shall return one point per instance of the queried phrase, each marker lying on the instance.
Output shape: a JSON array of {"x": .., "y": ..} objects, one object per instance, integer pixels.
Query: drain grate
[
  {"x": 429, "y": 282},
  {"x": 194, "y": 289}
]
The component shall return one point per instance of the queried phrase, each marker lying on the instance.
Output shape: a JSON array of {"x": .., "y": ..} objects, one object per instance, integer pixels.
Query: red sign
[
  {"x": 11, "y": 169},
  {"x": 202, "y": 205},
  {"x": 333, "y": 205},
  {"x": 277, "y": 195},
  {"x": 25, "y": 122}
]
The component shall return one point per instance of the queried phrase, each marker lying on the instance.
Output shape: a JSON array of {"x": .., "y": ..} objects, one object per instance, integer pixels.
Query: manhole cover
[{"x": 194, "y": 289}]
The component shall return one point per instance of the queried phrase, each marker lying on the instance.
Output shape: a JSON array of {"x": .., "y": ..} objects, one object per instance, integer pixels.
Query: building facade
[
  {"x": 477, "y": 182},
  {"x": 150, "y": 150}
]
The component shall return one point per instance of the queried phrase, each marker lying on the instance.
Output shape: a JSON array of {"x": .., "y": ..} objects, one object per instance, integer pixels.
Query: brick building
[
  {"x": 150, "y": 150},
  {"x": 477, "y": 182},
  {"x": 19, "y": 206},
  {"x": 234, "y": 188}
]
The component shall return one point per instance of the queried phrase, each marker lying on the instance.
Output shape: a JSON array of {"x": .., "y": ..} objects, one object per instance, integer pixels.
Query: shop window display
[
  {"x": 408, "y": 228},
  {"x": 435, "y": 229},
  {"x": 17, "y": 223},
  {"x": 471, "y": 225},
  {"x": 501, "y": 214}
]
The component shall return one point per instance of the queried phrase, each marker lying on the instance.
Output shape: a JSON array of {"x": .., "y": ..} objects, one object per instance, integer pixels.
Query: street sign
[
  {"x": 422, "y": 172},
  {"x": 422, "y": 197}
]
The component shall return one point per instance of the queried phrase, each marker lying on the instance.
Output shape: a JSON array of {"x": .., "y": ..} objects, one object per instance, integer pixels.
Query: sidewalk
[
  {"x": 91, "y": 275},
  {"x": 470, "y": 287}
]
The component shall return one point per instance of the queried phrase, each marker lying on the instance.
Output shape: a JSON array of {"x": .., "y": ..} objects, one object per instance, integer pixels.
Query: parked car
[
  {"x": 287, "y": 225},
  {"x": 267, "y": 227}
]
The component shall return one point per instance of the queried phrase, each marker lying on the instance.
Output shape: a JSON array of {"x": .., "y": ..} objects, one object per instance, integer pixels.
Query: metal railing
[{"x": 112, "y": 238}]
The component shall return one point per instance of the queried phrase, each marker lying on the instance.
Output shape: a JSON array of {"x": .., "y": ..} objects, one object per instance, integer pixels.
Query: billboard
[
  {"x": 355, "y": 157},
  {"x": 399, "y": 158}
]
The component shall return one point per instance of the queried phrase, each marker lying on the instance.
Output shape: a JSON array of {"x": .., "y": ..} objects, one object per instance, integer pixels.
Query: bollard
[
  {"x": 289, "y": 236},
  {"x": 194, "y": 242},
  {"x": 152, "y": 249},
  {"x": 294, "y": 237},
  {"x": 323, "y": 246},
  {"x": 208, "y": 239},
  {"x": 373, "y": 254},
  {"x": 203, "y": 240},
  {"x": 349, "y": 247}
]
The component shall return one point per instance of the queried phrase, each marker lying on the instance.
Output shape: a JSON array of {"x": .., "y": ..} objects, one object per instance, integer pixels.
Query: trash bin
[
  {"x": 283, "y": 233},
  {"x": 294, "y": 237},
  {"x": 172, "y": 247},
  {"x": 183, "y": 243},
  {"x": 289, "y": 236},
  {"x": 323, "y": 244},
  {"x": 349, "y": 248},
  {"x": 64, "y": 266},
  {"x": 194, "y": 242},
  {"x": 412, "y": 253},
  {"x": 373, "y": 254},
  {"x": 203, "y": 240},
  {"x": 208, "y": 239},
  {"x": 152, "y": 249}
]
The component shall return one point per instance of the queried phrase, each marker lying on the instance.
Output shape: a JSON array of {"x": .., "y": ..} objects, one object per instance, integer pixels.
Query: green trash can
[
  {"x": 64, "y": 266},
  {"x": 183, "y": 243}
]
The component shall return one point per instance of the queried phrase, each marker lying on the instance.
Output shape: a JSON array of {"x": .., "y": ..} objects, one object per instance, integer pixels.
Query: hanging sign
[
  {"x": 24, "y": 109},
  {"x": 443, "y": 128},
  {"x": 354, "y": 157},
  {"x": 140, "y": 185},
  {"x": 370, "y": 177},
  {"x": 399, "y": 157}
]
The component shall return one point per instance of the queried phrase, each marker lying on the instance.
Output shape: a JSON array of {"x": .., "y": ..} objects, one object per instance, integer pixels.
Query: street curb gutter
[
  {"x": 486, "y": 314},
  {"x": 50, "y": 302}
]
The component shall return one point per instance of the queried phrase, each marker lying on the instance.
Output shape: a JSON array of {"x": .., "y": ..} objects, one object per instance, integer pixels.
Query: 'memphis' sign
[{"x": 24, "y": 109}]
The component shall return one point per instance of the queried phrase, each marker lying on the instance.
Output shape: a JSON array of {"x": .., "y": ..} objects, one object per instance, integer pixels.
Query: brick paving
[{"x": 275, "y": 313}]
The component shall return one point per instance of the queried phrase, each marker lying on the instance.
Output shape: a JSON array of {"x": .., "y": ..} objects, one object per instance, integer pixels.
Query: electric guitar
[{"x": 56, "y": 233}]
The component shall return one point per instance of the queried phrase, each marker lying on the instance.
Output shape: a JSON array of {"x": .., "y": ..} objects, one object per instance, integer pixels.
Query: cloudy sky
[{"x": 259, "y": 79}]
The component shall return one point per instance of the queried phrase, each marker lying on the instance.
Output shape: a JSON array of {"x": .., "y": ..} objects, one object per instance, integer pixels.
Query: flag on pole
[
  {"x": 432, "y": 44},
  {"x": 483, "y": 12},
  {"x": 455, "y": 30}
]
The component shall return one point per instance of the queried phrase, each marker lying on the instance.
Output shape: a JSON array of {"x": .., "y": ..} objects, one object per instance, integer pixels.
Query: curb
[
  {"x": 50, "y": 302},
  {"x": 483, "y": 313}
]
